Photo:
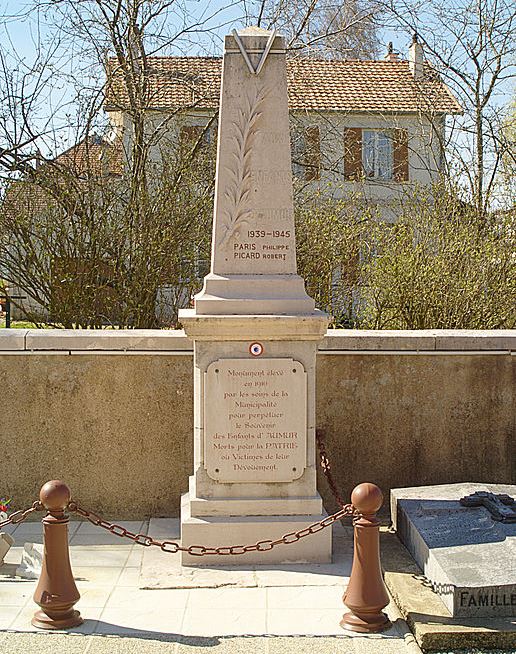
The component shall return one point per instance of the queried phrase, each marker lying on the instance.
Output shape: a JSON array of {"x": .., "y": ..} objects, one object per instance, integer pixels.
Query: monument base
[
  {"x": 218, "y": 531},
  {"x": 253, "y": 294}
]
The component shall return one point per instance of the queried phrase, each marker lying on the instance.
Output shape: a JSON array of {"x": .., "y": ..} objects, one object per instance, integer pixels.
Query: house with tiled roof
[{"x": 373, "y": 126}]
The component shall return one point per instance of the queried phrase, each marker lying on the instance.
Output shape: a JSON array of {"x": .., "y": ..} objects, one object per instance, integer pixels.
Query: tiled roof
[
  {"x": 24, "y": 198},
  {"x": 313, "y": 84},
  {"x": 95, "y": 157}
]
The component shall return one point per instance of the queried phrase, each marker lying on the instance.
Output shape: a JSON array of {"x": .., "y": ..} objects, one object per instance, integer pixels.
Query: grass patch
[{"x": 23, "y": 324}]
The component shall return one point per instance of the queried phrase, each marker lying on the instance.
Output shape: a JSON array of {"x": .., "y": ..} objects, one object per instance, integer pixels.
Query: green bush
[{"x": 439, "y": 266}]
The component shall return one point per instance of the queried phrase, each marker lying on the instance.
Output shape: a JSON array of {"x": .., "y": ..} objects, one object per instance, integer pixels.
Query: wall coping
[{"x": 336, "y": 340}]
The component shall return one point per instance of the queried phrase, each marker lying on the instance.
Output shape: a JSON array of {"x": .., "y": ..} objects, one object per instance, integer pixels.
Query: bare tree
[
  {"x": 471, "y": 44},
  {"x": 324, "y": 28},
  {"x": 116, "y": 217}
]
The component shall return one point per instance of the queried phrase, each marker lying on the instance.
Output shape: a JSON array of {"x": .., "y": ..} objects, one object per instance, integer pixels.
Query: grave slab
[{"x": 467, "y": 555}]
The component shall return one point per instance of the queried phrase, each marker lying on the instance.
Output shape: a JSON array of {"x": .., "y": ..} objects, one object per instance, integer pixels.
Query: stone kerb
[
  {"x": 12, "y": 339},
  {"x": 335, "y": 341},
  {"x": 424, "y": 340},
  {"x": 123, "y": 340}
]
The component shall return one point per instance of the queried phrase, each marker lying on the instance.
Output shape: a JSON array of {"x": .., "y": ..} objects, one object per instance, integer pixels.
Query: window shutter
[
  {"x": 353, "y": 168},
  {"x": 189, "y": 134},
  {"x": 400, "y": 155},
  {"x": 312, "y": 154}
]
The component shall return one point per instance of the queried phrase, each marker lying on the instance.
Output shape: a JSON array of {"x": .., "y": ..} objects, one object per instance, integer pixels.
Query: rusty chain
[
  {"x": 201, "y": 550},
  {"x": 20, "y": 516},
  {"x": 347, "y": 510},
  {"x": 326, "y": 466}
]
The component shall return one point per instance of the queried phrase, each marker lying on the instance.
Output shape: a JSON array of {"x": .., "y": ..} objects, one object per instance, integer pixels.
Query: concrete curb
[{"x": 426, "y": 615}]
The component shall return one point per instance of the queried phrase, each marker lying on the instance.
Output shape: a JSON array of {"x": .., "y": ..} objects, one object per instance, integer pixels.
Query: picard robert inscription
[{"x": 255, "y": 427}]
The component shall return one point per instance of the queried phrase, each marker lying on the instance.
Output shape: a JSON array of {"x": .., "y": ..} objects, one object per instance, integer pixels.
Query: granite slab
[{"x": 469, "y": 558}]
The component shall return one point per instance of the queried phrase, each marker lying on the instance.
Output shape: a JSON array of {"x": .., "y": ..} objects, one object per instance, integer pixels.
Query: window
[
  {"x": 306, "y": 153},
  {"x": 377, "y": 154},
  {"x": 190, "y": 134}
]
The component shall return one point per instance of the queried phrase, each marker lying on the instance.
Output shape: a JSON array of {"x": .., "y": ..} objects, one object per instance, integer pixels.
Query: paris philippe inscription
[{"x": 255, "y": 420}]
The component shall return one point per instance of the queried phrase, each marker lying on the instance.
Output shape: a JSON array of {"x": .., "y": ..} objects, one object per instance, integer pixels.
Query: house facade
[{"x": 377, "y": 128}]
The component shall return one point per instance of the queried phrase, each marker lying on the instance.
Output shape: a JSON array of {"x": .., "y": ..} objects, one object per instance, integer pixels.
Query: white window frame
[{"x": 378, "y": 154}]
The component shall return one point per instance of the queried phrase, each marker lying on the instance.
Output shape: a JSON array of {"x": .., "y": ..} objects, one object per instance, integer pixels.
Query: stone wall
[{"x": 110, "y": 412}]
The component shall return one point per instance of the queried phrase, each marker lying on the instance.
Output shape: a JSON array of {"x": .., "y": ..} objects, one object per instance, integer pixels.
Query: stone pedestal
[
  {"x": 257, "y": 479},
  {"x": 247, "y": 530}
]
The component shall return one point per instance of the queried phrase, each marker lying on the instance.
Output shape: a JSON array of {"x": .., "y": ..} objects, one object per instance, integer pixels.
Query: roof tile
[{"x": 313, "y": 84}]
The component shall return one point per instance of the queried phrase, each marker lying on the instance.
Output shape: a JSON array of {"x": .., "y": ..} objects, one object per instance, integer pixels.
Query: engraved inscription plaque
[{"x": 255, "y": 420}]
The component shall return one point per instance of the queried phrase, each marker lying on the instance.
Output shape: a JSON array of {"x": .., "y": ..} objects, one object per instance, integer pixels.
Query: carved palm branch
[{"x": 238, "y": 189}]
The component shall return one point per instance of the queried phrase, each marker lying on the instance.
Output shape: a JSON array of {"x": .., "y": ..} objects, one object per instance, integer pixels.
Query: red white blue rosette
[{"x": 255, "y": 349}]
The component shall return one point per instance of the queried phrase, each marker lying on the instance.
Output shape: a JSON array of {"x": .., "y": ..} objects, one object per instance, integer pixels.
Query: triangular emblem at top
[{"x": 245, "y": 54}]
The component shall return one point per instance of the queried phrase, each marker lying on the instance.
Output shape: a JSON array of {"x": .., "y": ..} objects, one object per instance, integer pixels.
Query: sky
[{"x": 220, "y": 16}]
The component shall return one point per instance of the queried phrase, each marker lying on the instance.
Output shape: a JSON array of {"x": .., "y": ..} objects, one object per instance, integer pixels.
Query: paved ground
[{"x": 270, "y": 610}]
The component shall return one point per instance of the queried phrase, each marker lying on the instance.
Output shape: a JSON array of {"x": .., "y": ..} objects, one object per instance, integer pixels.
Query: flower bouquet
[{"x": 6, "y": 540}]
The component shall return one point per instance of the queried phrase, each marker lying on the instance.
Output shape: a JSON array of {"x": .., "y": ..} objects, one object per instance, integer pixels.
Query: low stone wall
[{"x": 110, "y": 412}]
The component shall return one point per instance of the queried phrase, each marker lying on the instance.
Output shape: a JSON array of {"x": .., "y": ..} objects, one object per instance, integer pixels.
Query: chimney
[
  {"x": 416, "y": 58},
  {"x": 391, "y": 55}
]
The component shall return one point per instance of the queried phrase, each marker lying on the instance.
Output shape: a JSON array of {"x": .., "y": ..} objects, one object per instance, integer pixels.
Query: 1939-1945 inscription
[{"x": 255, "y": 420}]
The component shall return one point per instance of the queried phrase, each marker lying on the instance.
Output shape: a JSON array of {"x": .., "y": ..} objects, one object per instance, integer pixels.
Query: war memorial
[
  {"x": 254, "y": 328},
  {"x": 253, "y": 503}
]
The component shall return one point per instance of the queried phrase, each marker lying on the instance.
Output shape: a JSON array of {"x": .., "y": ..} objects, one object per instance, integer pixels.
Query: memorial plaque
[{"x": 255, "y": 420}]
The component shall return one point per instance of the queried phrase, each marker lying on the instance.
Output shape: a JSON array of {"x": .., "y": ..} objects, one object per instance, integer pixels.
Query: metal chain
[
  {"x": 19, "y": 516},
  {"x": 202, "y": 550},
  {"x": 326, "y": 466},
  {"x": 347, "y": 510}
]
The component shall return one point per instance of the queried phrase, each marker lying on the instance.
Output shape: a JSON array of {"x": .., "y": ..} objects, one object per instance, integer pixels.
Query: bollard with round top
[
  {"x": 56, "y": 592},
  {"x": 366, "y": 595}
]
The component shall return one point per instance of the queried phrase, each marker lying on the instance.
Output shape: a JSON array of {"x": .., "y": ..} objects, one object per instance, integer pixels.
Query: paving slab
[
  {"x": 429, "y": 620},
  {"x": 165, "y": 571},
  {"x": 290, "y": 610}
]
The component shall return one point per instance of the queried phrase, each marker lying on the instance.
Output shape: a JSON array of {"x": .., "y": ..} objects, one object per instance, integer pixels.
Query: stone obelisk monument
[{"x": 255, "y": 332}]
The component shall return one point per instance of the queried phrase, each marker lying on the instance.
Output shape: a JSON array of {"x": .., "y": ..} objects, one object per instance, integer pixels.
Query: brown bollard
[
  {"x": 366, "y": 594},
  {"x": 56, "y": 592}
]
